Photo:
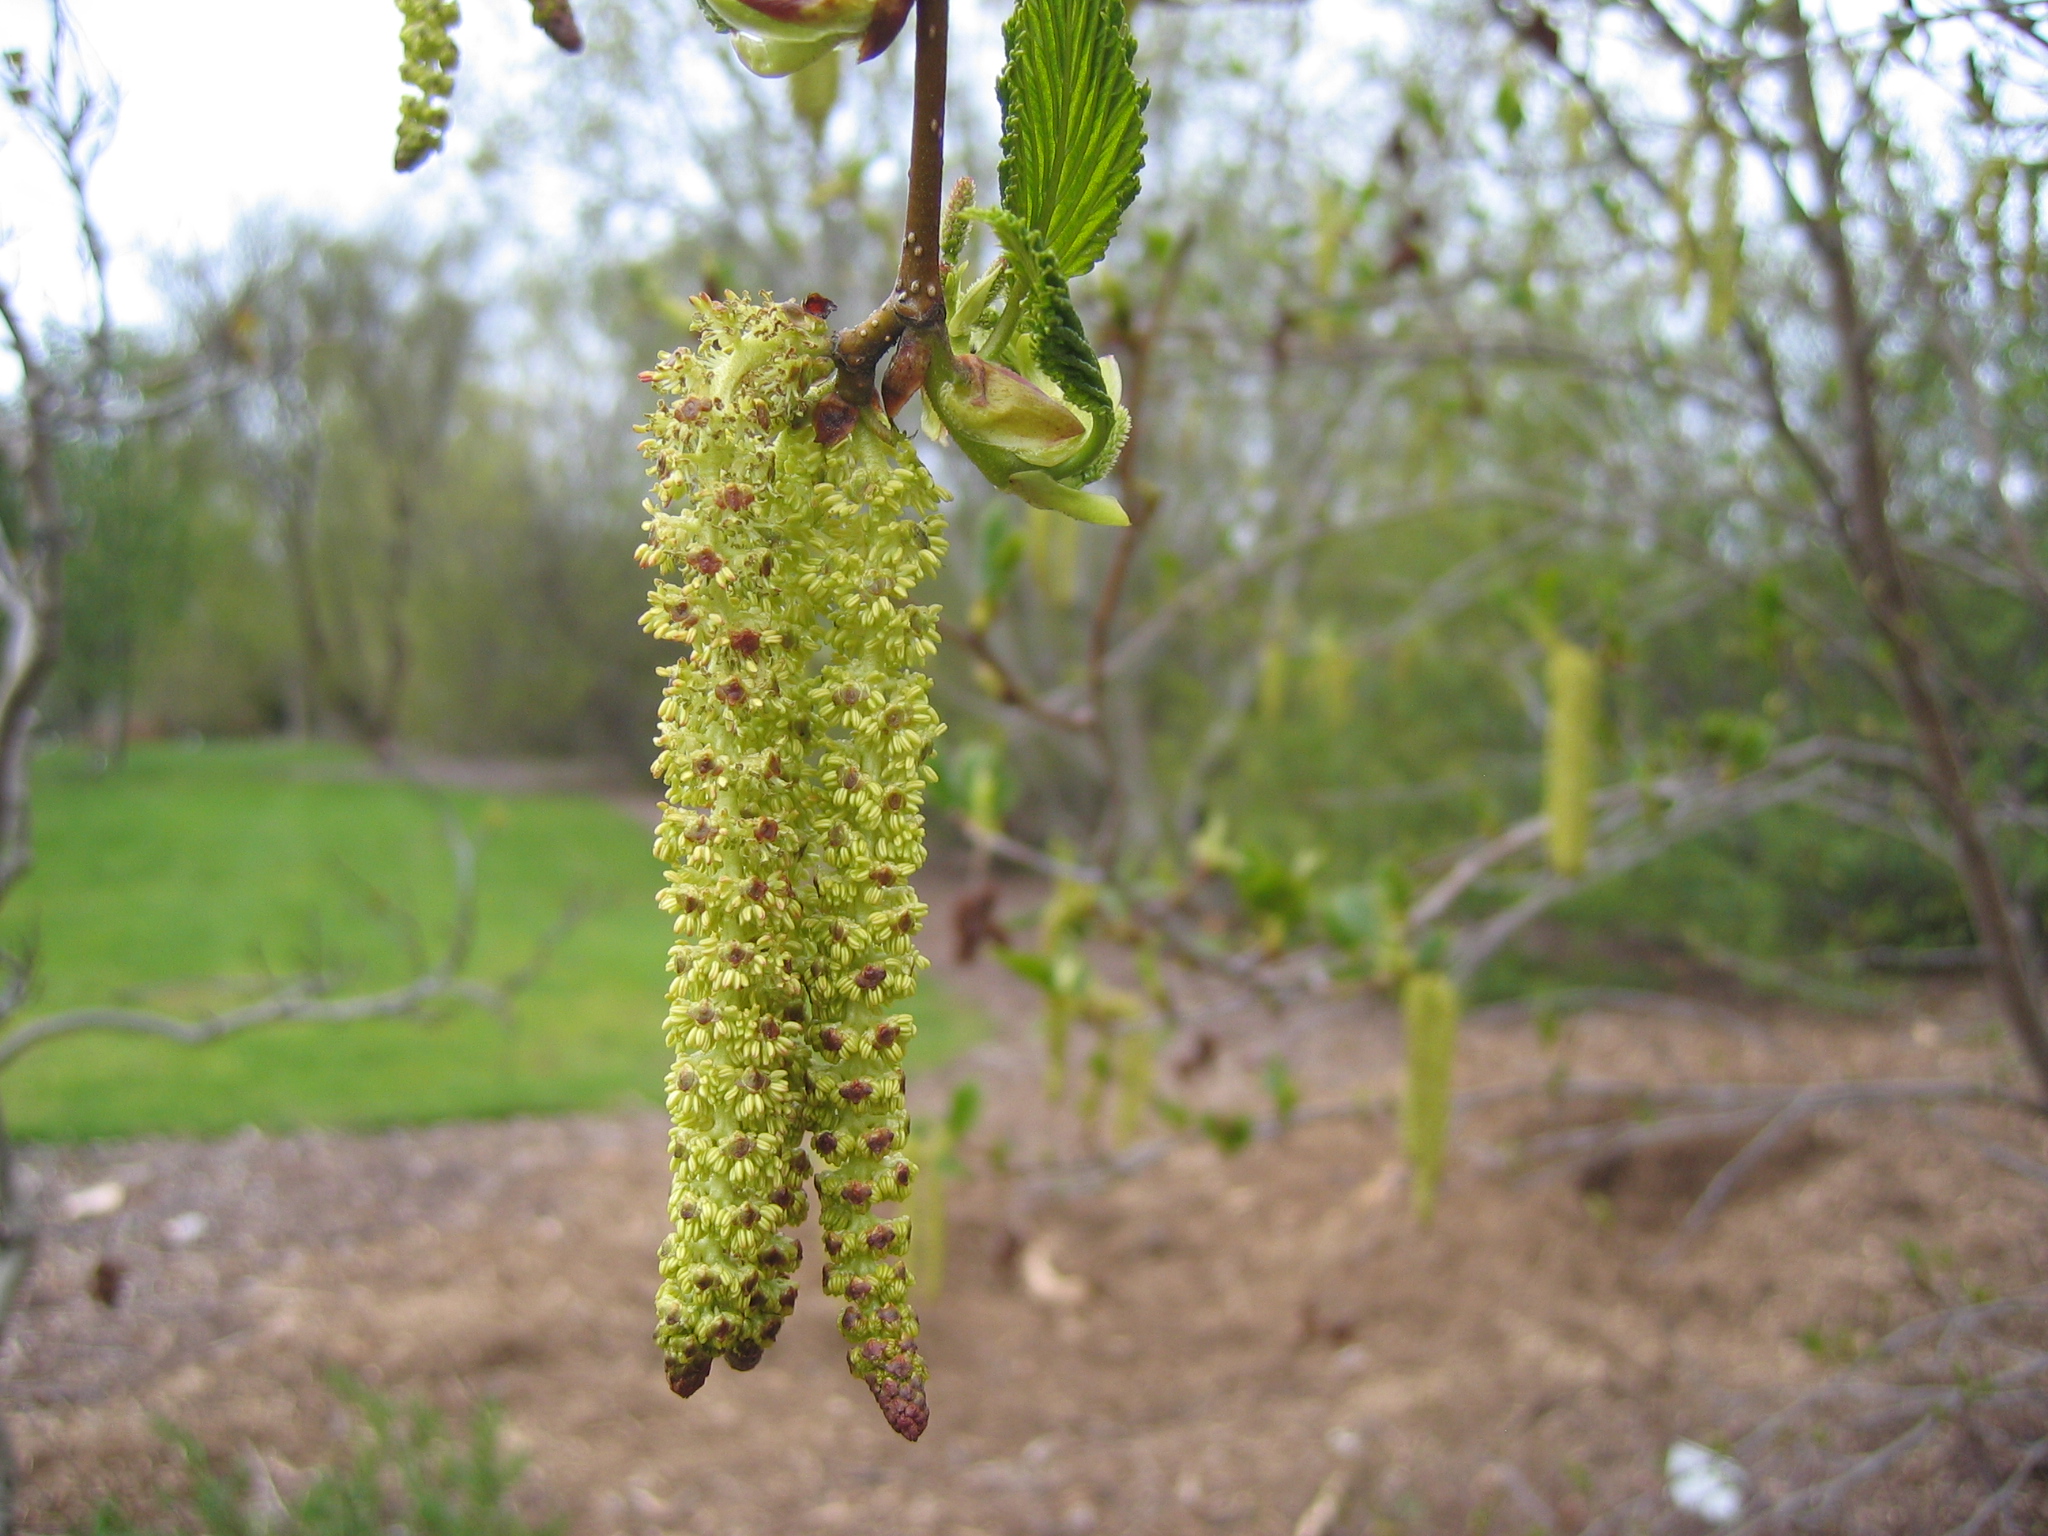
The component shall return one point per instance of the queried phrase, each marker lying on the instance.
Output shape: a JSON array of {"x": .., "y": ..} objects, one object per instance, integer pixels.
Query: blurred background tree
[
  {"x": 1499, "y": 335},
  {"x": 1587, "y": 534}
]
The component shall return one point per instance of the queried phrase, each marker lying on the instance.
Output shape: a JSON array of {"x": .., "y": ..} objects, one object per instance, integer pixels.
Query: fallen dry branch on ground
[
  {"x": 296, "y": 1003},
  {"x": 1720, "y": 1110},
  {"x": 312, "y": 999},
  {"x": 1942, "y": 1426},
  {"x": 1571, "y": 1000},
  {"x": 1732, "y": 1109}
]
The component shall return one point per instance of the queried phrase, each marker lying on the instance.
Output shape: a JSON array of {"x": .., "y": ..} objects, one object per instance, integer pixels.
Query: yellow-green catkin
[
  {"x": 1136, "y": 1068},
  {"x": 1429, "y": 1017},
  {"x": 1274, "y": 665},
  {"x": 814, "y": 92},
  {"x": 1572, "y": 684},
  {"x": 794, "y": 744},
  {"x": 426, "y": 34},
  {"x": 1332, "y": 669},
  {"x": 1052, "y": 545}
]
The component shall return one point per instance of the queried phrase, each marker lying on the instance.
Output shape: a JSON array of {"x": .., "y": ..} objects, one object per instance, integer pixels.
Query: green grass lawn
[{"x": 193, "y": 876}]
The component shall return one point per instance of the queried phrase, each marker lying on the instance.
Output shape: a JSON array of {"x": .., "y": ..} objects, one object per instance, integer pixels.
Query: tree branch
[
  {"x": 1015, "y": 691},
  {"x": 1745, "y": 1109},
  {"x": 294, "y": 1005},
  {"x": 918, "y": 301},
  {"x": 305, "y": 1001}
]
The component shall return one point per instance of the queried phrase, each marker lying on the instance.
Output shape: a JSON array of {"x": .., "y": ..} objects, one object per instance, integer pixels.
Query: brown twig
[
  {"x": 1729, "y": 1179},
  {"x": 1015, "y": 691},
  {"x": 305, "y": 1001},
  {"x": 918, "y": 301},
  {"x": 294, "y": 1005},
  {"x": 1996, "y": 1506},
  {"x": 1002, "y": 845}
]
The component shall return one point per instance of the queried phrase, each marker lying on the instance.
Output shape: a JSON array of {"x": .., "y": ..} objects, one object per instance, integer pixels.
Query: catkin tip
[
  {"x": 686, "y": 1376},
  {"x": 903, "y": 1405}
]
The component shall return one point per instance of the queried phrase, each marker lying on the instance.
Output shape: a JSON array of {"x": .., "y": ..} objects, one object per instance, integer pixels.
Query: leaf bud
[
  {"x": 1002, "y": 421},
  {"x": 779, "y": 37},
  {"x": 1016, "y": 434}
]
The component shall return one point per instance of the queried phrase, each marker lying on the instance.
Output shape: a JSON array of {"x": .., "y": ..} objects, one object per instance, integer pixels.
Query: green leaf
[
  {"x": 1507, "y": 107},
  {"x": 1073, "y": 124},
  {"x": 963, "y": 1112},
  {"x": 1039, "y": 489},
  {"x": 1031, "y": 966}
]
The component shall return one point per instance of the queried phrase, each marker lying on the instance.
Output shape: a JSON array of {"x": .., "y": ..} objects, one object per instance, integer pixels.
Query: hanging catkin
[
  {"x": 428, "y": 67},
  {"x": 1572, "y": 683},
  {"x": 1274, "y": 665},
  {"x": 557, "y": 18},
  {"x": 1332, "y": 669},
  {"x": 794, "y": 738},
  {"x": 1429, "y": 1016},
  {"x": 1053, "y": 547}
]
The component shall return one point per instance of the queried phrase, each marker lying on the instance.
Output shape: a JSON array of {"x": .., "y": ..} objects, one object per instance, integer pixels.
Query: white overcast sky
[{"x": 228, "y": 106}]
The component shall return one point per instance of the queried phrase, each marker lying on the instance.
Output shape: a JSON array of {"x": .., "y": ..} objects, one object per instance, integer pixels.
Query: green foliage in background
[
  {"x": 1394, "y": 406},
  {"x": 402, "y": 1471},
  {"x": 197, "y": 877},
  {"x": 141, "y": 503}
]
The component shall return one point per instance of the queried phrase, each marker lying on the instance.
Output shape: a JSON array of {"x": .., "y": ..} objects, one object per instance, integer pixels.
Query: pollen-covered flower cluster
[
  {"x": 429, "y": 70},
  {"x": 794, "y": 744}
]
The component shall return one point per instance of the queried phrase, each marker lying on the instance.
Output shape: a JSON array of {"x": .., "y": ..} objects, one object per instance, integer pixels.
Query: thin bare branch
[
  {"x": 1015, "y": 691},
  {"x": 1997, "y": 1506},
  {"x": 1592, "y": 1143},
  {"x": 294, "y": 1005}
]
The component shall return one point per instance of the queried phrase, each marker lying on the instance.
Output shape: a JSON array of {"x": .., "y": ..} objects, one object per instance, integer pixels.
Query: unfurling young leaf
[
  {"x": 1572, "y": 681},
  {"x": 1027, "y": 400},
  {"x": 1046, "y": 319},
  {"x": 1073, "y": 124}
]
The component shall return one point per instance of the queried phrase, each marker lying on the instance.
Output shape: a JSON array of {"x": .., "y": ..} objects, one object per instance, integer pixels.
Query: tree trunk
[
  {"x": 1861, "y": 520},
  {"x": 17, "y": 1257}
]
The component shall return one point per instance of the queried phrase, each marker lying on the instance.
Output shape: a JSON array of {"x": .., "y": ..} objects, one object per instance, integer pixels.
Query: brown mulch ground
[{"x": 1212, "y": 1343}]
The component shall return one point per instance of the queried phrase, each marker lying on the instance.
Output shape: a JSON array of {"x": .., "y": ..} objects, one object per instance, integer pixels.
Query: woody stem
[{"x": 918, "y": 301}]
